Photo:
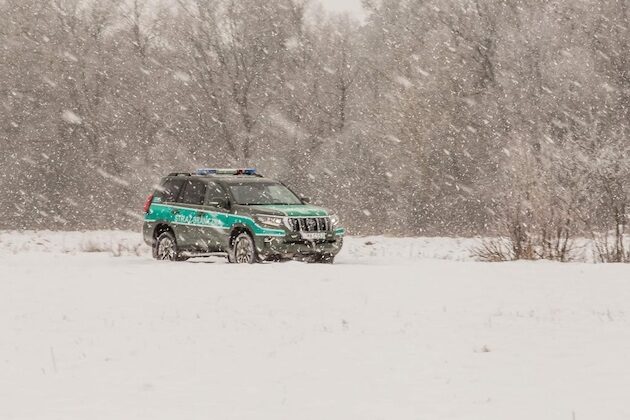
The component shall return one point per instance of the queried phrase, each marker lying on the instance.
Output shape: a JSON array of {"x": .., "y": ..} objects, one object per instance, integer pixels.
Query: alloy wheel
[
  {"x": 166, "y": 249},
  {"x": 244, "y": 250}
]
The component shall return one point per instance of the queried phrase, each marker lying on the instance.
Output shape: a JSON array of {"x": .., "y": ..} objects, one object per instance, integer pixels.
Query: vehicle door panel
[
  {"x": 214, "y": 229},
  {"x": 167, "y": 198},
  {"x": 189, "y": 215}
]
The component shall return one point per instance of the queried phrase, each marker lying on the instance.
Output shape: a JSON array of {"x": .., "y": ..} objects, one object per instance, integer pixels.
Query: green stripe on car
[{"x": 205, "y": 218}]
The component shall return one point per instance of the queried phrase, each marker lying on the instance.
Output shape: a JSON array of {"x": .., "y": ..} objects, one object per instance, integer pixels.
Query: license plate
[{"x": 313, "y": 236}]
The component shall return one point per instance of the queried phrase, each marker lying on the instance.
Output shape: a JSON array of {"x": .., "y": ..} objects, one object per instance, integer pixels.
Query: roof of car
[
  {"x": 234, "y": 179},
  {"x": 230, "y": 179}
]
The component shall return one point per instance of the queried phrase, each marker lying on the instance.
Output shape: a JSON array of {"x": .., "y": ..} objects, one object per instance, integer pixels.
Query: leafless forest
[{"x": 449, "y": 117}]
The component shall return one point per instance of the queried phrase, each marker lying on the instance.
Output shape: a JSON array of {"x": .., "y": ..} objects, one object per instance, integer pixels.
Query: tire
[
  {"x": 243, "y": 250},
  {"x": 322, "y": 259},
  {"x": 165, "y": 248}
]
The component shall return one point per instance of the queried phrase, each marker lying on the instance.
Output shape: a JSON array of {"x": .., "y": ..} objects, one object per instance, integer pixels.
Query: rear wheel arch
[
  {"x": 160, "y": 228},
  {"x": 166, "y": 233}
]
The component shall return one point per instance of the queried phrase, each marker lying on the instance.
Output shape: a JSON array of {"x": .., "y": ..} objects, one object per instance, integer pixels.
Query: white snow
[
  {"x": 116, "y": 179},
  {"x": 403, "y": 81},
  {"x": 182, "y": 76},
  {"x": 71, "y": 118},
  {"x": 389, "y": 332}
]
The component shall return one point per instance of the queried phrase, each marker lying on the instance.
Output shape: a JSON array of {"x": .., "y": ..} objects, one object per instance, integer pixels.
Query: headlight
[
  {"x": 270, "y": 220},
  {"x": 334, "y": 220}
]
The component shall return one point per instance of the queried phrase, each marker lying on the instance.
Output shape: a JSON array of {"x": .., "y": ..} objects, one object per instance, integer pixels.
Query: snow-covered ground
[
  {"x": 120, "y": 243},
  {"x": 398, "y": 329}
]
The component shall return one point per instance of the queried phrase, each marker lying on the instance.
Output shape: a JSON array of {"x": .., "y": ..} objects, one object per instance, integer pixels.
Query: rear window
[
  {"x": 194, "y": 192},
  {"x": 170, "y": 190}
]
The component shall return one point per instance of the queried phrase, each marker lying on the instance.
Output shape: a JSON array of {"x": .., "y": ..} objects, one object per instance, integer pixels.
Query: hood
[{"x": 298, "y": 210}]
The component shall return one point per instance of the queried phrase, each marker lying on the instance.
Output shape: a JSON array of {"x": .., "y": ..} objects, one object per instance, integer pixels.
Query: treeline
[{"x": 428, "y": 117}]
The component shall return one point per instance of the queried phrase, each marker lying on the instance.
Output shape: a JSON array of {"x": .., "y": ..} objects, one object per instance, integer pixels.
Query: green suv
[{"x": 238, "y": 212}]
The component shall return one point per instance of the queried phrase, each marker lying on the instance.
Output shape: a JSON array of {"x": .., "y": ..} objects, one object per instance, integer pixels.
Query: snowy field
[{"x": 92, "y": 328}]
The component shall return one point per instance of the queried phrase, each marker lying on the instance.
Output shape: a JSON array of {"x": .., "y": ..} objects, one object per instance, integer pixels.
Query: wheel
[
  {"x": 165, "y": 248},
  {"x": 243, "y": 251}
]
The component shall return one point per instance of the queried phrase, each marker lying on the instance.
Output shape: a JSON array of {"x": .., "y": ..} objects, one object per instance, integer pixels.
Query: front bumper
[{"x": 293, "y": 246}]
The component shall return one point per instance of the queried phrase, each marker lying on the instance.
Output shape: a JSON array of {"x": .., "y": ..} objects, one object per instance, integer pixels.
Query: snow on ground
[
  {"x": 115, "y": 242},
  {"x": 125, "y": 243},
  {"x": 390, "y": 332}
]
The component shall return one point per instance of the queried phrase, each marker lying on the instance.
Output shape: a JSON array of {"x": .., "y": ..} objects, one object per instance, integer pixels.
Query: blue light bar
[
  {"x": 215, "y": 171},
  {"x": 206, "y": 171}
]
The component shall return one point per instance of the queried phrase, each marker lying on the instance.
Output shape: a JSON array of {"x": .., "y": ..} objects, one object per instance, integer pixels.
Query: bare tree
[{"x": 429, "y": 117}]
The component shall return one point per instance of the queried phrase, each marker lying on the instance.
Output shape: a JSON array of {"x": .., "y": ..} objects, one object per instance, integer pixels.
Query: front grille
[{"x": 309, "y": 224}]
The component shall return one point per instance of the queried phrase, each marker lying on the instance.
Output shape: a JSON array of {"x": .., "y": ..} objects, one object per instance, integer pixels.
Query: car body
[{"x": 215, "y": 211}]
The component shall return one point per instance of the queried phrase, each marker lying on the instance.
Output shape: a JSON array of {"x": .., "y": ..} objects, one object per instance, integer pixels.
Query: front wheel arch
[
  {"x": 236, "y": 239},
  {"x": 237, "y": 230}
]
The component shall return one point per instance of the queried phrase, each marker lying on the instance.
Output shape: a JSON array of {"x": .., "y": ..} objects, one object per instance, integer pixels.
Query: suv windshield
[{"x": 262, "y": 193}]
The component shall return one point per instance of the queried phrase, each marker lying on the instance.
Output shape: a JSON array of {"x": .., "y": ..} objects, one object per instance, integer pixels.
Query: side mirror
[{"x": 305, "y": 199}]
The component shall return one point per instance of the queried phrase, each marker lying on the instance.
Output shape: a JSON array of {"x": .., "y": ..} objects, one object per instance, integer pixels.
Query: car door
[
  {"x": 215, "y": 228},
  {"x": 189, "y": 215}
]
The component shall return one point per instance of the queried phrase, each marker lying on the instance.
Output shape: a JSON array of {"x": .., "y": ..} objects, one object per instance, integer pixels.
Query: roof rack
[{"x": 216, "y": 171}]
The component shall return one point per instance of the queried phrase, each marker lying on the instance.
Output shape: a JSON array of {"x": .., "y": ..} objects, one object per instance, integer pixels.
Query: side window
[
  {"x": 170, "y": 190},
  {"x": 194, "y": 193},
  {"x": 215, "y": 194}
]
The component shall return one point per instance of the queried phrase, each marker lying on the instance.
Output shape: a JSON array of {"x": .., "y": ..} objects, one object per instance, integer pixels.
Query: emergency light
[{"x": 215, "y": 171}]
